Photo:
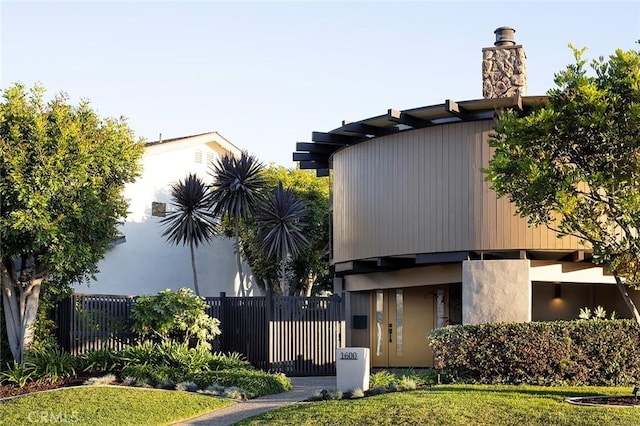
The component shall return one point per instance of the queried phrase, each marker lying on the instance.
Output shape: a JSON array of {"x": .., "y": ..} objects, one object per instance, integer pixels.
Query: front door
[{"x": 402, "y": 319}]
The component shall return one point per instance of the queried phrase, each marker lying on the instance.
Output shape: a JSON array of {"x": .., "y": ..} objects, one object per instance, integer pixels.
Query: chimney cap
[{"x": 505, "y": 36}]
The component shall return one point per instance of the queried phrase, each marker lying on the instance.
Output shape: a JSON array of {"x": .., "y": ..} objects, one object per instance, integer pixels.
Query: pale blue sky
[{"x": 267, "y": 74}]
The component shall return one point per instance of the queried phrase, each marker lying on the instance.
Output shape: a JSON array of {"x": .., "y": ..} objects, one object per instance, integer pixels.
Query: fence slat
[{"x": 289, "y": 334}]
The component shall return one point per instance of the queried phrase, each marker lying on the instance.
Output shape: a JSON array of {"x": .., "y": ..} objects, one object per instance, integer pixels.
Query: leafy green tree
[
  {"x": 191, "y": 222},
  {"x": 235, "y": 192},
  {"x": 573, "y": 164},
  {"x": 180, "y": 316},
  {"x": 280, "y": 217},
  {"x": 62, "y": 172},
  {"x": 309, "y": 271}
]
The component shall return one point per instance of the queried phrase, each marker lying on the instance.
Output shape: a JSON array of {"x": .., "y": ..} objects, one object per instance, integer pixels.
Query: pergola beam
[
  {"x": 407, "y": 119},
  {"x": 333, "y": 138},
  {"x": 454, "y": 109},
  {"x": 367, "y": 129}
]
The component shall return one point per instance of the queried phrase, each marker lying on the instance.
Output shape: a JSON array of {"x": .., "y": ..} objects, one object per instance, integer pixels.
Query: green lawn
[
  {"x": 107, "y": 406},
  {"x": 460, "y": 405}
]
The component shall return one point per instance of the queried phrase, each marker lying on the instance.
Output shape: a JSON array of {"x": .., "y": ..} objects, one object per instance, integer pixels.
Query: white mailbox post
[{"x": 352, "y": 369}]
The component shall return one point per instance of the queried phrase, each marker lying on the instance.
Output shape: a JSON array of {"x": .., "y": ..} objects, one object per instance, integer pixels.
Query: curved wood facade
[{"x": 423, "y": 191}]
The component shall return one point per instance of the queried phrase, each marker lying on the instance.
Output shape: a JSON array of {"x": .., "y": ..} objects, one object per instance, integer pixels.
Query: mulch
[
  {"x": 608, "y": 401},
  {"x": 10, "y": 390}
]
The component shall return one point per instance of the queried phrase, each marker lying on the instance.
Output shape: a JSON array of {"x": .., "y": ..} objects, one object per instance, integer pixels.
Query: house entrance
[{"x": 402, "y": 319}]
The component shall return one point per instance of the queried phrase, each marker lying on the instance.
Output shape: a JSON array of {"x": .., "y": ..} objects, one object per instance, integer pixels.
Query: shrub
[
  {"x": 258, "y": 383},
  {"x": 103, "y": 360},
  {"x": 234, "y": 360},
  {"x": 597, "y": 353},
  {"x": 101, "y": 381},
  {"x": 187, "y": 387},
  {"x": 17, "y": 374},
  {"x": 152, "y": 374},
  {"x": 51, "y": 364},
  {"x": 382, "y": 378},
  {"x": 179, "y": 315}
]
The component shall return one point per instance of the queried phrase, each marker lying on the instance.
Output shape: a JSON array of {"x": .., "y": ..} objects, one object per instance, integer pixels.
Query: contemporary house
[
  {"x": 142, "y": 261},
  {"x": 419, "y": 239}
]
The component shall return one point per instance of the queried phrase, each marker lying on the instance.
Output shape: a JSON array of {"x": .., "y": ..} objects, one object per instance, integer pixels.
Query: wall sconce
[{"x": 557, "y": 291}]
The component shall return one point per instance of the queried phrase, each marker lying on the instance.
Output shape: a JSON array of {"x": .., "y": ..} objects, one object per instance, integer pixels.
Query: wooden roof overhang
[
  {"x": 317, "y": 155},
  {"x": 391, "y": 263}
]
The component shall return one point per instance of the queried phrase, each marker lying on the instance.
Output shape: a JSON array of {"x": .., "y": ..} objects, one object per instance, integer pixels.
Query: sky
[{"x": 265, "y": 74}]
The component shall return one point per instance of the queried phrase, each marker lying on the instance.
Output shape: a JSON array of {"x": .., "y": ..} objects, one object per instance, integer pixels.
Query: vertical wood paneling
[{"x": 423, "y": 191}]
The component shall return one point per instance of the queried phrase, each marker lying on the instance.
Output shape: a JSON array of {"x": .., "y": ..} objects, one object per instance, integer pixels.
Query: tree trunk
[
  {"x": 193, "y": 268},
  {"x": 309, "y": 286},
  {"x": 238, "y": 259},
  {"x": 283, "y": 277},
  {"x": 628, "y": 300},
  {"x": 20, "y": 311}
]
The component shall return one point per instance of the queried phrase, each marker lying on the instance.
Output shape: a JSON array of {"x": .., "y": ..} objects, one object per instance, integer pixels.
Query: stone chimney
[{"x": 504, "y": 67}]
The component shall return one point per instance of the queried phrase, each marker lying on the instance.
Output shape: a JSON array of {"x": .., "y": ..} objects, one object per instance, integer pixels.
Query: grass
[
  {"x": 107, "y": 406},
  {"x": 460, "y": 405}
]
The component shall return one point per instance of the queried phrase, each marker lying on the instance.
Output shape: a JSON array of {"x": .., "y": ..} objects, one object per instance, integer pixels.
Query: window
[
  {"x": 198, "y": 156},
  {"x": 158, "y": 209}
]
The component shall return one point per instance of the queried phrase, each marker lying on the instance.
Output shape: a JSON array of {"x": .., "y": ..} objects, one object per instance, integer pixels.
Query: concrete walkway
[{"x": 303, "y": 388}]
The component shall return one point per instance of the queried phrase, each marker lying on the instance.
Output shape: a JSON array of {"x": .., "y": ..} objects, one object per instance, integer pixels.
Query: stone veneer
[{"x": 504, "y": 71}]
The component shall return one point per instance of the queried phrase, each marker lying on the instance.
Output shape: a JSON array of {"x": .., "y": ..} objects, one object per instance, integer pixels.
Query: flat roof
[{"x": 316, "y": 155}]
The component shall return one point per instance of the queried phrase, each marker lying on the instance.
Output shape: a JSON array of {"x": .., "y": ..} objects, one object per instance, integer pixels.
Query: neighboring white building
[{"x": 142, "y": 261}]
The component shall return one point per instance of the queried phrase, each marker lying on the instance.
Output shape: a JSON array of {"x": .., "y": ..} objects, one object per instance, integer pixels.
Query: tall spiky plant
[
  {"x": 235, "y": 191},
  {"x": 280, "y": 218},
  {"x": 191, "y": 222}
]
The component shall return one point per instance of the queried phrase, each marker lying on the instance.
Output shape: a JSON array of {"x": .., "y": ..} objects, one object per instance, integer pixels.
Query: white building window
[{"x": 198, "y": 156}]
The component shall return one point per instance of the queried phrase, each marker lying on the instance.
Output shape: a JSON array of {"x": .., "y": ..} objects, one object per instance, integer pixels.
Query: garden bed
[{"x": 606, "y": 401}]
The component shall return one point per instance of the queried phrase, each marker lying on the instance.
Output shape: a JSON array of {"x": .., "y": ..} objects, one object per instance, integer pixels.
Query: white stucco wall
[
  {"x": 495, "y": 291},
  {"x": 146, "y": 263}
]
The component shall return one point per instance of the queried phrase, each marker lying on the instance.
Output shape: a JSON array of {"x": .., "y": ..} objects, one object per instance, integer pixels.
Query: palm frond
[
  {"x": 237, "y": 185},
  {"x": 281, "y": 220},
  {"x": 191, "y": 222}
]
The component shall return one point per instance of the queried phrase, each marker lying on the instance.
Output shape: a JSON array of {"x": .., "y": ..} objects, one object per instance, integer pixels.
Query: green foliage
[
  {"x": 17, "y": 374},
  {"x": 44, "y": 327},
  {"x": 554, "y": 353},
  {"x": 179, "y": 315},
  {"x": 230, "y": 361},
  {"x": 573, "y": 164},
  {"x": 101, "y": 360},
  {"x": 258, "y": 383},
  {"x": 151, "y": 375},
  {"x": 51, "y": 365},
  {"x": 407, "y": 379},
  {"x": 382, "y": 379},
  {"x": 312, "y": 264},
  {"x": 62, "y": 173}
]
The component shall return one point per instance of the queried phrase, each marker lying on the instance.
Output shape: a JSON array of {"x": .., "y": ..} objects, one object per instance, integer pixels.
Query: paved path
[{"x": 303, "y": 388}]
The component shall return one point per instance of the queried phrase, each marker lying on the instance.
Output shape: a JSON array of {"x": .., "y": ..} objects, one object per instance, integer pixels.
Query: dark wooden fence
[{"x": 297, "y": 336}]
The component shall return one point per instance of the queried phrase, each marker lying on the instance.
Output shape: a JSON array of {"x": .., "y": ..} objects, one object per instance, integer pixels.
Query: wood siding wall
[{"x": 423, "y": 191}]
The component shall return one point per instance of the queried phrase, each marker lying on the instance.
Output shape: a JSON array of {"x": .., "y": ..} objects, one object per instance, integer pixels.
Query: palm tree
[
  {"x": 280, "y": 219},
  {"x": 235, "y": 191},
  {"x": 191, "y": 222}
]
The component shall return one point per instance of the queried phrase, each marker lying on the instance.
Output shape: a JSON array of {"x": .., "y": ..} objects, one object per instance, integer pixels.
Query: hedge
[
  {"x": 257, "y": 382},
  {"x": 581, "y": 352}
]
